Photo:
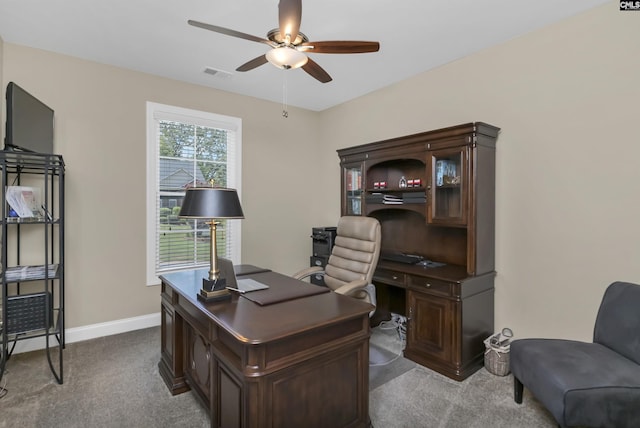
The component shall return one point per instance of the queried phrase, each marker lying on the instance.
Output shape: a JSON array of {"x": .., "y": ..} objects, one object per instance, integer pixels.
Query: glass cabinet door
[
  {"x": 352, "y": 187},
  {"x": 447, "y": 189}
]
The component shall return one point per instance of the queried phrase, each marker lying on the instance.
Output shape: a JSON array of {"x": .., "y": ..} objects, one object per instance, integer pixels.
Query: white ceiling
[{"x": 153, "y": 36}]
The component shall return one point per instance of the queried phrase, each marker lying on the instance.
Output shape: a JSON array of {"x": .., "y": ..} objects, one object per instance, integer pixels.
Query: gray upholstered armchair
[
  {"x": 353, "y": 258},
  {"x": 588, "y": 384}
]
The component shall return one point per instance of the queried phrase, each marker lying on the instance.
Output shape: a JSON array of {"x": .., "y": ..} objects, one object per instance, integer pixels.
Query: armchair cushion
[
  {"x": 588, "y": 384},
  {"x": 581, "y": 384}
]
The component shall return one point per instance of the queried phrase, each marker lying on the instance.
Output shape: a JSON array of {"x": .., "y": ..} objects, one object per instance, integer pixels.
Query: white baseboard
[{"x": 78, "y": 334}]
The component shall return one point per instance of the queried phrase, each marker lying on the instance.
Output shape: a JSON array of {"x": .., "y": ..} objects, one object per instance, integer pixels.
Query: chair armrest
[
  {"x": 352, "y": 287},
  {"x": 304, "y": 273}
]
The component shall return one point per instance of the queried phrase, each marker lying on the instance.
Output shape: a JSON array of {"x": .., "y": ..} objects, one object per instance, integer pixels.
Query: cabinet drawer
[
  {"x": 390, "y": 277},
  {"x": 430, "y": 285},
  {"x": 166, "y": 292}
]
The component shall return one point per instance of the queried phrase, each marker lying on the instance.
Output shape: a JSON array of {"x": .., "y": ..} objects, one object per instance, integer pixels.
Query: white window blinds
[{"x": 188, "y": 148}]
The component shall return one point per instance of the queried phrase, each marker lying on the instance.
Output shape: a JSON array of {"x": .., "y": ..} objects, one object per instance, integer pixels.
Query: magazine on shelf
[
  {"x": 23, "y": 201},
  {"x": 23, "y": 273}
]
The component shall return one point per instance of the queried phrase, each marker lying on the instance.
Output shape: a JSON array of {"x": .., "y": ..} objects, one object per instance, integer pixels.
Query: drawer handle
[
  {"x": 427, "y": 285},
  {"x": 394, "y": 277},
  {"x": 193, "y": 364},
  {"x": 208, "y": 356}
]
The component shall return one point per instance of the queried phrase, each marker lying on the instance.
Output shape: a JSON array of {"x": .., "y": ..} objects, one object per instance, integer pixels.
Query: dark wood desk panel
[{"x": 300, "y": 362}]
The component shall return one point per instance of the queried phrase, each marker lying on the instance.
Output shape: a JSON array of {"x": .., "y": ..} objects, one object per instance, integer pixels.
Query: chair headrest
[{"x": 357, "y": 227}]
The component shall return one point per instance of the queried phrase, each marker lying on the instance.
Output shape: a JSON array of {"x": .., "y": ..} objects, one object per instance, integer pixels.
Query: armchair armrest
[
  {"x": 353, "y": 287},
  {"x": 304, "y": 273}
]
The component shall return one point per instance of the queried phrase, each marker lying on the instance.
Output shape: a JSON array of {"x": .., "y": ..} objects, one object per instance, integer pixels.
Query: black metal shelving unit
[{"x": 32, "y": 257}]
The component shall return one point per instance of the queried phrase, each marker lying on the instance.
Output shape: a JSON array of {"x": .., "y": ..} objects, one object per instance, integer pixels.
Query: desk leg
[{"x": 172, "y": 349}]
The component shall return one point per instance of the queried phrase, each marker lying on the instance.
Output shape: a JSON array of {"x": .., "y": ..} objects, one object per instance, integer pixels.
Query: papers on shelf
[
  {"x": 23, "y": 273},
  {"x": 392, "y": 199},
  {"x": 23, "y": 200}
]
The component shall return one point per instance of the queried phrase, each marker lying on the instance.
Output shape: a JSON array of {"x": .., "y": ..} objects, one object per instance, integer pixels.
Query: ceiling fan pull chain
[{"x": 285, "y": 112}]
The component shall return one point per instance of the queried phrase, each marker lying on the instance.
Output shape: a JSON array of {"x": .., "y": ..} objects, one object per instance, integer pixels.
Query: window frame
[{"x": 155, "y": 113}]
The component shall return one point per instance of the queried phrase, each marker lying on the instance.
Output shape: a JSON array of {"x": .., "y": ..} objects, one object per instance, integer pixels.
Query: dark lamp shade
[{"x": 211, "y": 202}]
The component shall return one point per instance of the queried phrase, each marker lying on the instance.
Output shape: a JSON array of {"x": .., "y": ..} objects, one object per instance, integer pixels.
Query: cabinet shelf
[
  {"x": 397, "y": 189},
  {"x": 415, "y": 207},
  {"x": 23, "y": 221},
  {"x": 390, "y": 205},
  {"x": 383, "y": 205}
]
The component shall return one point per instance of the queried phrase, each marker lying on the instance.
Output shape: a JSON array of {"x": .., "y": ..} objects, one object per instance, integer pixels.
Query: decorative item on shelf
[
  {"x": 441, "y": 165},
  {"x": 417, "y": 182},
  {"x": 376, "y": 184},
  {"x": 403, "y": 182},
  {"x": 451, "y": 179},
  {"x": 211, "y": 203},
  {"x": 354, "y": 180},
  {"x": 383, "y": 184},
  {"x": 450, "y": 173},
  {"x": 356, "y": 206},
  {"x": 410, "y": 182}
]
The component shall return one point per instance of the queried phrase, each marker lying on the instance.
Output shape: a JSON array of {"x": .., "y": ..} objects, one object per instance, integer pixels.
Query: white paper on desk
[{"x": 247, "y": 284}]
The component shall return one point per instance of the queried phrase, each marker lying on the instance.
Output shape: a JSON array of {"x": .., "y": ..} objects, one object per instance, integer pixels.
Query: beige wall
[
  {"x": 100, "y": 130},
  {"x": 565, "y": 98}
]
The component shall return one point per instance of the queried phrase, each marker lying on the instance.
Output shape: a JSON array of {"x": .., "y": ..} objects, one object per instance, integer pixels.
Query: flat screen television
[{"x": 29, "y": 124}]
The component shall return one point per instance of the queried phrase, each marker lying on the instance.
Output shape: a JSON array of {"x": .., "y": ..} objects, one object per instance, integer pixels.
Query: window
[{"x": 187, "y": 148}]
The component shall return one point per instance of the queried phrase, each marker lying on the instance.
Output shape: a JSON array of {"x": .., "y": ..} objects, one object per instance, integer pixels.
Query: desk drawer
[
  {"x": 430, "y": 285},
  {"x": 390, "y": 277}
]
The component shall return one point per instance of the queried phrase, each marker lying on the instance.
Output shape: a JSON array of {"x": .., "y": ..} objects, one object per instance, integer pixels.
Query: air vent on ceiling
[{"x": 221, "y": 74}]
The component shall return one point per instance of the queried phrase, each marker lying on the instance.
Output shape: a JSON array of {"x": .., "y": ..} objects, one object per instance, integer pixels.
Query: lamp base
[
  {"x": 214, "y": 290},
  {"x": 214, "y": 284},
  {"x": 206, "y": 296}
]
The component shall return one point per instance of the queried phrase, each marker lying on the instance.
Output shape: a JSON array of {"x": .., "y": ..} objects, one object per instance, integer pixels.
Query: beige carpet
[{"x": 114, "y": 382}]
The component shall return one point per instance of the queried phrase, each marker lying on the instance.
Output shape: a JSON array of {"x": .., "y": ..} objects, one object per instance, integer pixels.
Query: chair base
[{"x": 371, "y": 291}]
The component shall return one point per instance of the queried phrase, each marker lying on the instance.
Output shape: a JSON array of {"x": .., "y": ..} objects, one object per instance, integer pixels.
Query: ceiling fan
[{"x": 289, "y": 45}]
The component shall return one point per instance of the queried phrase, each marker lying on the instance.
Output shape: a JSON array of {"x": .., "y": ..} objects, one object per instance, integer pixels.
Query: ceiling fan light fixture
[{"x": 286, "y": 57}]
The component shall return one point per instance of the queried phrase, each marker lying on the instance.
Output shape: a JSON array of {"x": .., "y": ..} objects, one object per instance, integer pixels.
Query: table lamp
[{"x": 211, "y": 203}]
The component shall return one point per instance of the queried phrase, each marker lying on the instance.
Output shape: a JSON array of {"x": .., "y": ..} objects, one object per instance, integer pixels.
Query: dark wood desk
[{"x": 297, "y": 363}]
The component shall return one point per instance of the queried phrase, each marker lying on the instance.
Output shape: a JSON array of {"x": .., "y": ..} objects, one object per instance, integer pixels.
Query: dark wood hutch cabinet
[{"x": 434, "y": 195}]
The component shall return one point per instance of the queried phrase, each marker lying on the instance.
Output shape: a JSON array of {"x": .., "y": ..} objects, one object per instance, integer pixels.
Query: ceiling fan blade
[
  {"x": 316, "y": 71},
  {"x": 228, "y": 32},
  {"x": 340, "y": 47},
  {"x": 254, "y": 63},
  {"x": 290, "y": 15}
]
